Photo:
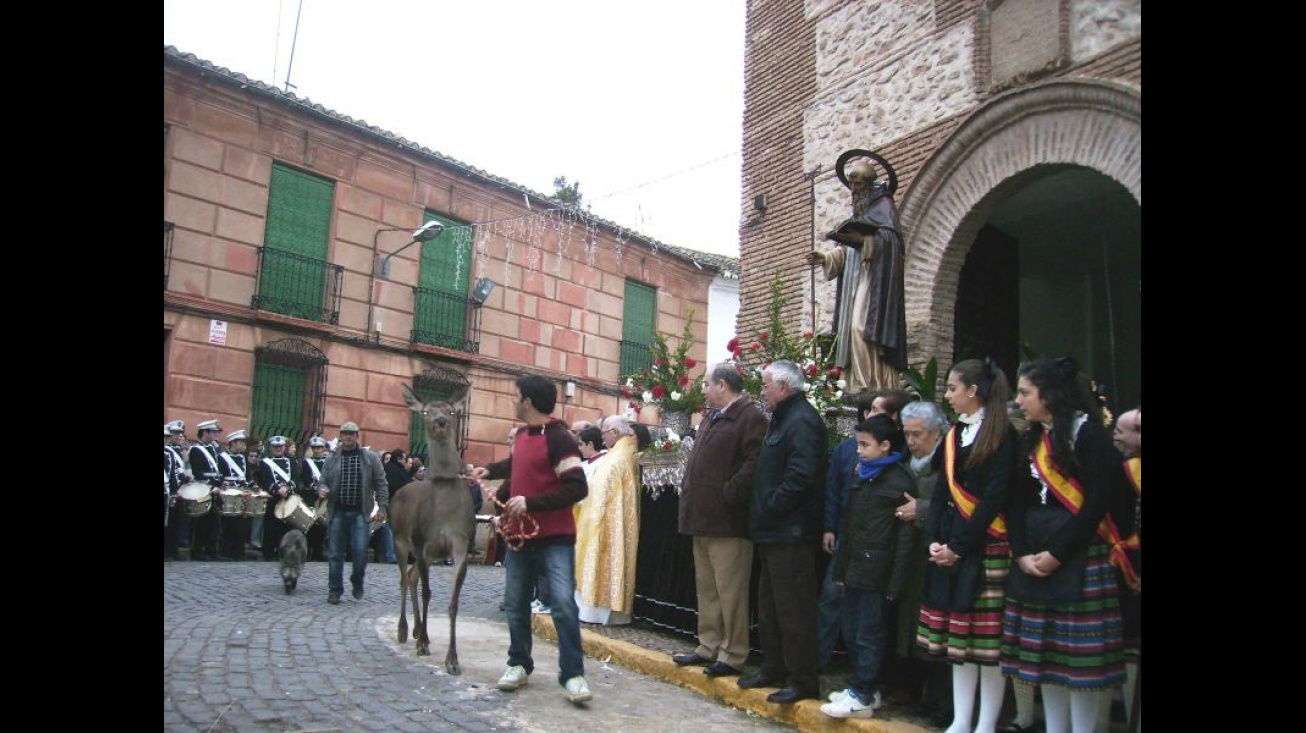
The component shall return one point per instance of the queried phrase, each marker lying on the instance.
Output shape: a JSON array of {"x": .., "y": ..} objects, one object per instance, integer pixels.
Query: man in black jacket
[{"x": 785, "y": 526}]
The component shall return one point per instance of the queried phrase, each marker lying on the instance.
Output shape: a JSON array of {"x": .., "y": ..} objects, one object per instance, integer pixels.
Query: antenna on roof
[{"x": 293, "y": 39}]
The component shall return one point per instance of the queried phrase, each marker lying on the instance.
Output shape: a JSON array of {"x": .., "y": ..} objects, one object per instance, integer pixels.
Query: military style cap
[
  {"x": 167, "y": 430},
  {"x": 349, "y": 427},
  {"x": 208, "y": 425},
  {"x": 177, "y": 427},
  {"x": 317, "y": 442},
  {"x": 237, "y": 435},
  {"x": 277, "y": 440}
]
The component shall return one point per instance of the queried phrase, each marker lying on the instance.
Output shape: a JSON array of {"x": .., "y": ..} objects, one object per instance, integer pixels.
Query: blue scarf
[{"x": 867, "y": 470}]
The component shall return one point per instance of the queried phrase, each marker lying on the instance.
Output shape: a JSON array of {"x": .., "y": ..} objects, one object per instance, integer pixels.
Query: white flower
[
  {"x": 648, "y": 396},
  {"x": 842, "y": 384},
  {"x": 630, "y": 381},
  {"x": 670, "y": 434},
  {"x": 675, "y": 396}
]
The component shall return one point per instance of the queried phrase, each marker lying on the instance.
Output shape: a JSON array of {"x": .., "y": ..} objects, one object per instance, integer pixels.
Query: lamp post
[{"x": 425, "y": 233}]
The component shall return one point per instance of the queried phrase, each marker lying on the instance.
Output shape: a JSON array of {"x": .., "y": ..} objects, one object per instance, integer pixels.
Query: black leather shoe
[
  {"x": 751, "y": 681},
  {"x": 333, "y": 599},
  {"x": 686, "y": 660},
  {"x": 358, "y": 591},
  {"x": 789, "y": 695},
  {"x": 721, "y": 669}
]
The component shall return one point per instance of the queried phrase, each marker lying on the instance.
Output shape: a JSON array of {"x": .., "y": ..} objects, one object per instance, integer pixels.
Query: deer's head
[{"x": 438, "y": 415}]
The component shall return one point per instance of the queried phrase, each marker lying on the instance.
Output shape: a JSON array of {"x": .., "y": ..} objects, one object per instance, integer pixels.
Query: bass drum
[
  {"x": 197, "y": 499},
  {"x": 293, "y": 511}
]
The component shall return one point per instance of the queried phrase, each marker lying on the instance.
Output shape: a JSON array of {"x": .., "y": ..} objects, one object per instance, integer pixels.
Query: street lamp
[{"x": 425, "y": 233}]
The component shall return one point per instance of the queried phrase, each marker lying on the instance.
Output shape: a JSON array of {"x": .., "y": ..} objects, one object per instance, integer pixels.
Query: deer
[{"x": 432, "y": 519}]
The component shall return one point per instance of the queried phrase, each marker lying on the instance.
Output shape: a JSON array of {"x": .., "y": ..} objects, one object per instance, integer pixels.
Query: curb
[{"x": 805, "y": 715}]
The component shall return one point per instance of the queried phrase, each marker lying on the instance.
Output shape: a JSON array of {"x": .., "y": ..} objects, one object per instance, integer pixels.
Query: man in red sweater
[{"x": 547, "y": 479}]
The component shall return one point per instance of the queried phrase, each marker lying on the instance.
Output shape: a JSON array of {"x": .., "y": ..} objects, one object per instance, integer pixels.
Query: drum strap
[
  {"x": 317, "y": 473},
  {"x": 177, "y": 463},
  {"x": 236, "y": 471},
  {"x": 281, "y": 474},
  {"x": 208, "y": 456}
]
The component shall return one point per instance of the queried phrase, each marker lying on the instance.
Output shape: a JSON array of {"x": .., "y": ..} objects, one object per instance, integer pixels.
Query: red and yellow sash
[
  {"x": 1134, "y": 472},
  {"x": 1071, "y": 495},
  {"x": 964, "y": 501}
]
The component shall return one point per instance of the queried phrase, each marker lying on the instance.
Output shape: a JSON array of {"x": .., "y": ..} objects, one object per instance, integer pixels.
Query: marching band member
[
  {"x": 204, "y": 467},
  {"x": 176, "y": 524},
  {"x": 234, "y": 527},
  {"x": 312, "y": 473},
  {"x": 279, "y": 476}
]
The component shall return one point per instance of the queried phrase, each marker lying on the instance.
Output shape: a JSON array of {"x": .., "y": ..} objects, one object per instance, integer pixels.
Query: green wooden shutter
[
  {"x": 440, "y": 315},
  {"x": 280, "y": 394},
  {"x": 639, "y": 310},
  {"x": 294, "y": 270}
]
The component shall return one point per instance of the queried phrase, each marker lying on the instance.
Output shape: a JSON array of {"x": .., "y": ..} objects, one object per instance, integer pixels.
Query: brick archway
[{"x": 1093, "y": 124}]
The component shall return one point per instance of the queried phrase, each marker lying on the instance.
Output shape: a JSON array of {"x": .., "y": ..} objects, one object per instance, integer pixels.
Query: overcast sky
[{"x": 641, "y": 102}]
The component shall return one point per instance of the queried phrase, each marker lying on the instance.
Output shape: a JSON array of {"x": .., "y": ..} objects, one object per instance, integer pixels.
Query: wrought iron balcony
[
  {"x": 634, "y": 357},
  {"x": 447, "y": 320},
  {"x": 167, "y": 251},
  {"x": 294, "y": 285}
]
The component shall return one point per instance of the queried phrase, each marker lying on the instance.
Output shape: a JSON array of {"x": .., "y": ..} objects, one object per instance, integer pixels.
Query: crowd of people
[
  {"x": 962, "y": 557},
  {"x": 1002, "y": 547}
]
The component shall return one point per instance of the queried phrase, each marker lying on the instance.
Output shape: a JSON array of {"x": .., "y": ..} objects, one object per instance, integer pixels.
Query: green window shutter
[
  {"x": 440, "y": 311},
  {"x": 637, "y": 321},
  {"x": 294, "y": 272},
  {"x": 280, "y": 396}
]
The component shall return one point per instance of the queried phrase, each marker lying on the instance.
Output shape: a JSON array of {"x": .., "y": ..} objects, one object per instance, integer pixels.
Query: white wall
[{"x": 722, "y": 314}]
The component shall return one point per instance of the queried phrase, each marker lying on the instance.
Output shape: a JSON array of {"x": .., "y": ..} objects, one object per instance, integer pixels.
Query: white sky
[{"x": 641, "y": 102}]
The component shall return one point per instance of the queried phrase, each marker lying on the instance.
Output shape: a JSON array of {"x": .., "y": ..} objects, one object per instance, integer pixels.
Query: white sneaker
[
  {"x": 847, "y": 706},
  {"x": 538, "y": 606},
  {"x": 578, "y": 690},
  {"x": 514, "y": 677}
]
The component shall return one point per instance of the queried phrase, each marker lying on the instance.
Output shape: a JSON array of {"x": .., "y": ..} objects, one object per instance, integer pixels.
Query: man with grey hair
[
  {"x": 924, "y": 424},
  {"x": 607, "y": 530},
  {"x": 714, "y": 506},
  {"x": 785, "y": 526}
]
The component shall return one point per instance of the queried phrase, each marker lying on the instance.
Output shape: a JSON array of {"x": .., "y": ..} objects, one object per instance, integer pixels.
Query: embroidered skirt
[
  {"x": 973, "y": 636},
  {"x": 1079, "y": 644}
]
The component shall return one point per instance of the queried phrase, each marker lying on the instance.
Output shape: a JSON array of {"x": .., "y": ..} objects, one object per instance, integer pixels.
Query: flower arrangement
[
  {"x": 812, "y": 353},
  {"x": 668, "y": 442},
  {"x": 666, "y": 383}
]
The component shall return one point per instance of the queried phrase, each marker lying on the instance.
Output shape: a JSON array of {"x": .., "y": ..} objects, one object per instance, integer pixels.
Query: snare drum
[
  {"x": 233, "y": 502},
  {"x": 256, "y": 503},
  {"x": 293, "y": 511},
  {"x": 197, "y": 499}
]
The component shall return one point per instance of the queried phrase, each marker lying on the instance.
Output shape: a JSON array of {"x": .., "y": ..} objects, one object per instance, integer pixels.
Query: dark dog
[{"x": 293, "y": 550}]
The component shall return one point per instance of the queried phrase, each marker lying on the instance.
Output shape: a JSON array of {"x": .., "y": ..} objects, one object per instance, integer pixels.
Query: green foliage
[
  {"x": 566, "y": 193},
  {"x": 667, "y": 384}
]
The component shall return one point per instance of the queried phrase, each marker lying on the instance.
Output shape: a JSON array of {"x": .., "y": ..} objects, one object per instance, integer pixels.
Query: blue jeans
[
  {"x": 829, "y": 615},
  {"x": 864, "y": 635},
  {"x": 553, "y": 568},
  {"x": 347, "y": 525},
  {"x": 385, "y": 543}
]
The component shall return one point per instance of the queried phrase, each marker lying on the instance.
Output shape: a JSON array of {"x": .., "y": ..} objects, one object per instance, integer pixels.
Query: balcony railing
[
  {"x": 167, "y": 251},
  {"x": 294, "y": 285},
  {"x": 447, "y": 320},
  {"x": 634, "y": 357}
]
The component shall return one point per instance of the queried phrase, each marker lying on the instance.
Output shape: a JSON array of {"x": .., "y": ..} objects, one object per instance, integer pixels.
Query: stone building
[
  {"x": 313, "y": 263},
  {"x": 1015, "y": 131}
]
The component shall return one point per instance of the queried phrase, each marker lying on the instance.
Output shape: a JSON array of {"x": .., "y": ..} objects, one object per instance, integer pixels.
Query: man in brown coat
[{"x": 714, "y": 506}]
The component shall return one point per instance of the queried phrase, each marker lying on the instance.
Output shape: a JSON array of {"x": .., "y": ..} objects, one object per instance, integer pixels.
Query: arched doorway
[{"x": 1025, "y": 234}]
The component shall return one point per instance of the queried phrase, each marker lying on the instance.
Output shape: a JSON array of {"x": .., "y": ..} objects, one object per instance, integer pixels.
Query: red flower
[
  {"x": 834, "y": 373},
  {"x": 733, "y": 344},
  {"x": 764, "y": 336},
  {"x": 811, "y": 371},
  {"x": 658, "y": 391},
  {"x": 658, "y": 361},
  {"x": 755, "y": 346},
  {"x": 690, "y": 363},
  {"x": 683, "y": 379},
  {"x": 807, "y": 335},
  {"x": 625, "y": 393}
]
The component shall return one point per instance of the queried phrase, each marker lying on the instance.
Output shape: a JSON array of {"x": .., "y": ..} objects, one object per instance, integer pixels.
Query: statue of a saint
[{"x": 871, "y": 319}]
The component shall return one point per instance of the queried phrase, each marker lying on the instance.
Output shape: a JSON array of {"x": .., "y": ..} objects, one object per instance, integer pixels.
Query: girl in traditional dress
[
  {"x": 961, "y": 614},
  {"x": 1061, "y": 628}
]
